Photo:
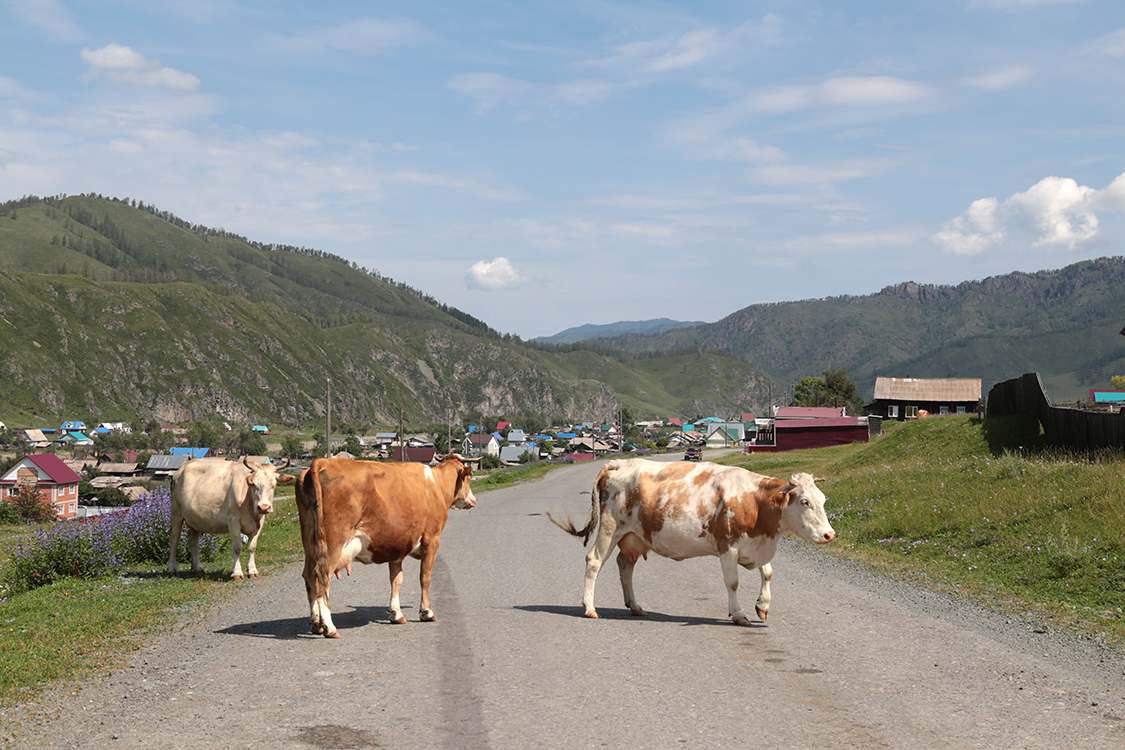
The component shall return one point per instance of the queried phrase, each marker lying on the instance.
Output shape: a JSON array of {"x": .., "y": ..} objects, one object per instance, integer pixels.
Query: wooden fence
[{"x": 1070, "y": 428}]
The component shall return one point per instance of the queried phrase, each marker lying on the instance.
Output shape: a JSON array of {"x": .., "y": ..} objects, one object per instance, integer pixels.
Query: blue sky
[{"x": 541, "y": 165}]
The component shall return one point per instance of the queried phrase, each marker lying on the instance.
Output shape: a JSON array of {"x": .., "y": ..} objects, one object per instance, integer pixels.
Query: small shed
[{"x": 164, "y": 466}]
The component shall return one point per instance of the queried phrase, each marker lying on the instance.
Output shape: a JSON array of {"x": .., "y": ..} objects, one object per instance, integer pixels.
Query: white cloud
[
  {"x": 489, "y": 89},
  {"x": 494, "y": 275},
  {"x": 863, "y": 91},
  {"x": 125, "y": 65},
  {"x": 974, "y": 231},
  {"x": 1021, "y": 3},
  {"x": 1112, "y": 44},
  {"x": 51, "y": 16},
  {"x": 365, "y": 36},
  {"x": 580, "y": 92},
  {"x": 1059, "y": 214},
  {"x": 828, "y": 172},
  {"x": 998, "y": 79},
  {"x": 1060, "y": 210}
]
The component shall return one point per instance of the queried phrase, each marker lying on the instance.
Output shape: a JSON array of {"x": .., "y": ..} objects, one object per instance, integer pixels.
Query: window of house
[
  {"x": 911, "y": 412},
  {"x": 960, "y": 409},
  {"x": 892, "y": 411},
  {"x": 943, "y": 410}
]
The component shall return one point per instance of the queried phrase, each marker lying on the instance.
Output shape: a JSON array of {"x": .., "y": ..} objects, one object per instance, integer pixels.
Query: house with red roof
[{"x": 57, "y": 482}]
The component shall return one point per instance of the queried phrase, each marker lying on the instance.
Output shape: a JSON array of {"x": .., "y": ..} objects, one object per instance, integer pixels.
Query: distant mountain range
[
  {"x": 112, "y": 309},
  {"x": 591, "y": 331},
  {"x": 1063, "y": 324}
]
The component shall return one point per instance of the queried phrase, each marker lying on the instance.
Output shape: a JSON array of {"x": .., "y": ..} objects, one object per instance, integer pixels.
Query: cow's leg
[
  {"x": 429, "y": 555},
  {"x": 235, "y": 530},
  {"x": 252, "y": 546},
  {"x": 625, "y": 565},
  {"x": 174, "y": 536},
  {"x": 320, "y": 617},
  {"x": 193, "y": 545},
  {"x": 395, "y": 610},
  {"x": 603, "y": 543},
  {"x": 729, "y": 561},
  {"x": 763, "y": 604}
]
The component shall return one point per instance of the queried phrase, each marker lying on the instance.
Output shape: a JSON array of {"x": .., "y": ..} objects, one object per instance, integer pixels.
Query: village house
[
  {"x": 57, "y": 483},
  {"x": 909, "y": 398},
  {"x": 480, "y": 444}
]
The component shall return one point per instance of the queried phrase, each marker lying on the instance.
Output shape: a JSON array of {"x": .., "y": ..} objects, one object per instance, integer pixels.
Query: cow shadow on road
[
  {"x": 292, "y": 628},
  {"x": 620, "y": 613}
]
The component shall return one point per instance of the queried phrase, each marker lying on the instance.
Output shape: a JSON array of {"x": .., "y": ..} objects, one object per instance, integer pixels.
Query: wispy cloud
[
  {"x": 1112, "y": 44},
  {"x": 363, "y": 36},
  {"x": 51, "y": 16},
  {"x": 125, "y": 65}
]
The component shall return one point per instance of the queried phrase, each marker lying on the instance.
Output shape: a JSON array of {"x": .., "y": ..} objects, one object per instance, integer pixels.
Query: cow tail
[
  {"x": 588, "y": 529},
  {"x": 312, "y": 498}
]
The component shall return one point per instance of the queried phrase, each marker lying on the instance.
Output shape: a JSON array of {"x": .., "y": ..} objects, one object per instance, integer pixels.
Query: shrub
[
  {"x": 91, "y": 547},
  {"x": 31, "y": 505}
]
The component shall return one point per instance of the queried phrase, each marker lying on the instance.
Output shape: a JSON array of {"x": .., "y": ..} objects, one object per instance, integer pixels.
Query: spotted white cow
[
  {"x": 681, "y": 510},
  {"x": 214, "y": 496}
]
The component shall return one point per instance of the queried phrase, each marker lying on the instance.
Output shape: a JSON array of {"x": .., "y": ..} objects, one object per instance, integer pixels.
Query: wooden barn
[{"x": 809, "y": 432}]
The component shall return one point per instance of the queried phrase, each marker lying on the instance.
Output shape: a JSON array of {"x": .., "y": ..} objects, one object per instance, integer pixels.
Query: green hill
[
  {"x": 1062, "y": 323},
  {"x": 113, "y": 310}
]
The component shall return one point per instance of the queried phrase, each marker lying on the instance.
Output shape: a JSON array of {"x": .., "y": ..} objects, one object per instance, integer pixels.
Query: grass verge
[{"x": 74, "y": 628}]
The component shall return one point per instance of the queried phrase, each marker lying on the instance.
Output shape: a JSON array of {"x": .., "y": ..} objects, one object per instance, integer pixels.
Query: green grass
[
  {"x": 981, "y": 509},
  {"x": 506, "y": 477}
]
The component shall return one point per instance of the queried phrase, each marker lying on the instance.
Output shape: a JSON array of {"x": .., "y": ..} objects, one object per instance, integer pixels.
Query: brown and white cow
[
  {"x": 375, "y": 513},
  {"x": 215, "y": 496},
  {"x": 682, "y": 510}
]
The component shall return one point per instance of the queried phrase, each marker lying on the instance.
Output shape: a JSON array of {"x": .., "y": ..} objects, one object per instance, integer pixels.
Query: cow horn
[
  {"x": 246, "y": 463},
  {"x": 284, "y": 465}
]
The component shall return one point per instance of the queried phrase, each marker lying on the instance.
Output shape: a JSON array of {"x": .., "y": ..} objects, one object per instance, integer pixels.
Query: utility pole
[{"x": 401, "y": 436}]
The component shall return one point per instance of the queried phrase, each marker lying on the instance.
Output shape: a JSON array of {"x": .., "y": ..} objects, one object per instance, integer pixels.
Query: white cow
[
  {"x": 214, "y": 496},
  {"x": 682, "y": 510}
]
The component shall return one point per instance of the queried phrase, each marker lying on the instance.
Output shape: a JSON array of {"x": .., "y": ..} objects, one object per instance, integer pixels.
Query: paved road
[{"x": 847, "y": 661}]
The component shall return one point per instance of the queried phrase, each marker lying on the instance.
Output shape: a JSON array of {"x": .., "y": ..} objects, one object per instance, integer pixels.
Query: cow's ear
[
  {"x": 781, "y": 499},
  {"x": 250, "y": 479},
  {"x": 285, "y": 478}
]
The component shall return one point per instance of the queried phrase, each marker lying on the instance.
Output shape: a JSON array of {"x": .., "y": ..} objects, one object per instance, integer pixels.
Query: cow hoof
[
  {"x": 333, "y": 634},
  {"x": 638, "y": 612},
  {"x": 400, "y": 620},
  {"x": 741, "y": 620},
  {"x": 762, "y": 613},
  {"x": 591, "y": 614},
  {"x": 427, "y": 615},
  {"x": 255, "y": 575}
]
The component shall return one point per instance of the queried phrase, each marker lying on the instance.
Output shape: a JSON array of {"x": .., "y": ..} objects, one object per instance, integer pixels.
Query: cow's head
[
  {"x": 261, "y": 482},
  {"x": 463, "y": 496},
  {"x": 802, "y": 510}
]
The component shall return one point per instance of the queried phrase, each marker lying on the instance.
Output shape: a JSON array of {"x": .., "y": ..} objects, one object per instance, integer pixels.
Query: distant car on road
[{"x": 693, "y": 454}]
